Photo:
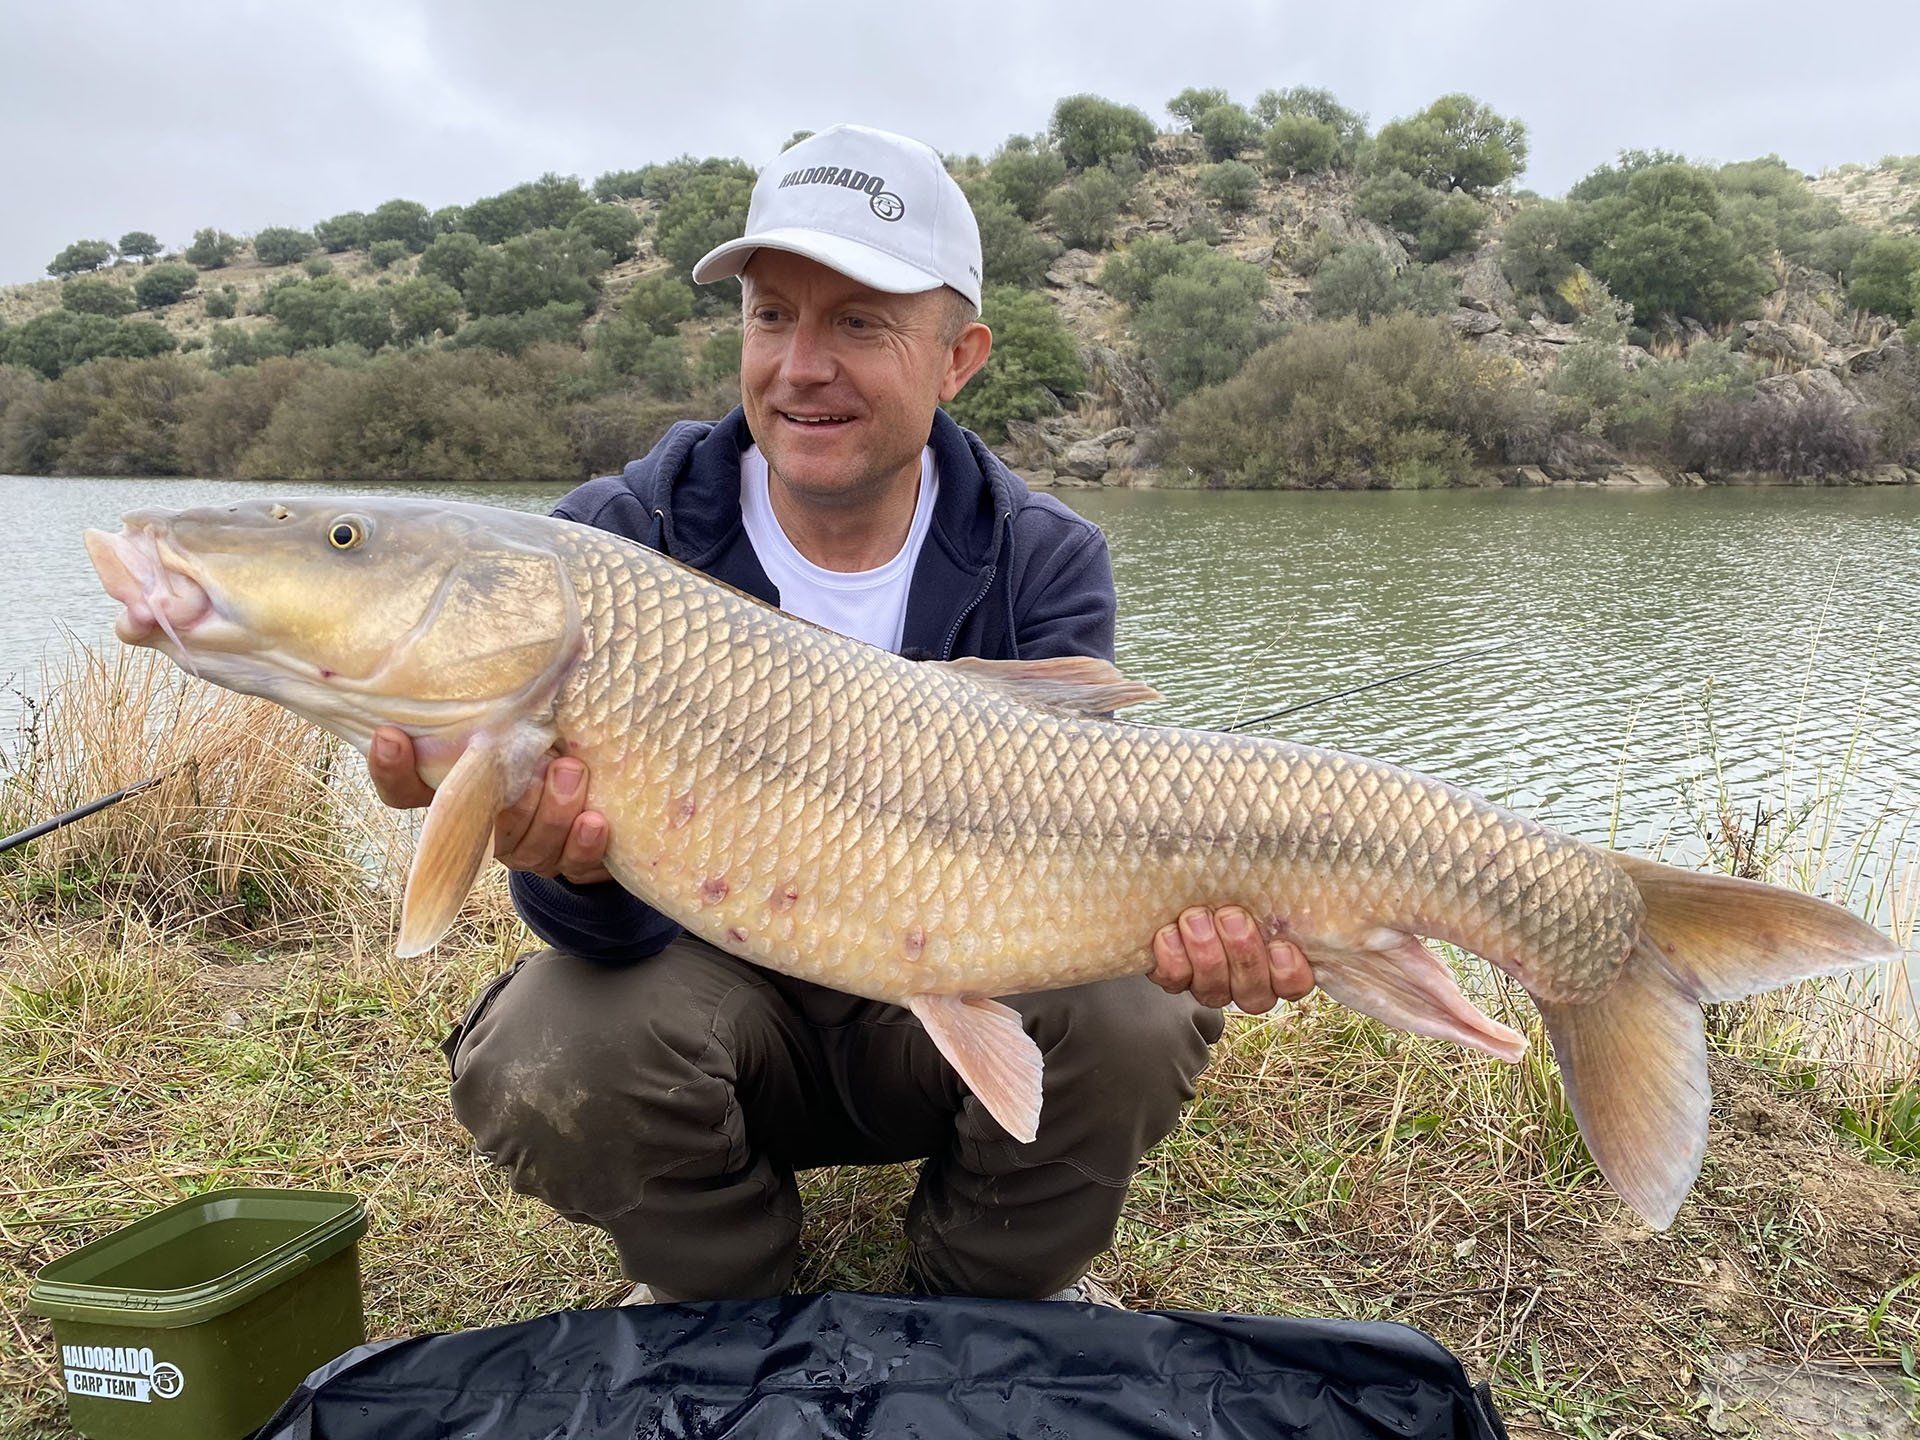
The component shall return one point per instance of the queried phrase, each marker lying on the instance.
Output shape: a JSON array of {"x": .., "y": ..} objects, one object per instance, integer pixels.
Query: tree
[
  {"x": 1453, "y": 224},
  {"x": 658, "y": 361},
  {"x": 1607, "y": 181},
  {"x": 81, "y": 256},
  {"x": 423, "y": 307},
  {"x": 1026, "y": 176},
  {"x": 449, "y": 257},
  {"x": 1884, "y": 274},
  {"x": 1202, "y": 321},
  {"x": 96, "y": 295},
  {"x": 448, "y": 218},
  {"x": 1359, "y": 283},
  {"x": 220, "y": 304},
  {"x": 1034, "y": 366},
  {"x": 1533, "y": 247},
  {"x": 364, "y": 318},
  {"x": 558, "y": 323},
  {"x": 139, "y": 245},
  {"x": 1012, "y": 252},
  {"x": 58, "y": 340},
  {"x": 305, "y": 311},
  {"x": 543, "y": 204},
  {"x": 1394, "y": 199},
  {"x": 613, "y": 229},
  {"x": 1307, "y": 103},
  {"x": 1226, "y": 130},
  {"x": 162, "y": 285},
  {"x": 407, "y": 221},
  {"x": 657, "y": 303},
  {"x": 1231, "y": 185},
  {"x": 346, "y": 231},
  {"x": 1299, "y": 144},
  {"x": 1091, "y": 131},
  {"x": 794, "y": 139},
  {"x": 530, "y": 272},
  {"x": 1190, "y": 104},
  {"x": 1086, "y": 209},
  {"x": 211, "y": 249},
  {"x": 1131, "y": 275},
  {"x": 282, "y": 245},
  {"x": 1456, "y": 143},
  {"x": 385, "y": 254},
  {"x": 707, "y": 209},
  {"x": 1662, "y": 247}
]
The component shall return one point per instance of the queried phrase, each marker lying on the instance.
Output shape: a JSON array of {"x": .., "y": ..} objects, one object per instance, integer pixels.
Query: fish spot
[
  {"x": 782, "y": 899},
  {"x": 914, "y": 942},
  {"x": 1276, "y": 927},
  {"x": 737, "y": 935},
  {"x": 714, "y": 889},
  {"x": 680, "y": 810}
]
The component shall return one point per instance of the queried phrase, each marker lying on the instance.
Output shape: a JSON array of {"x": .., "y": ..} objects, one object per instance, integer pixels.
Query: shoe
[
  {"x": 641, "y": 1294},
  {"x": 1088, "y": 1291}
]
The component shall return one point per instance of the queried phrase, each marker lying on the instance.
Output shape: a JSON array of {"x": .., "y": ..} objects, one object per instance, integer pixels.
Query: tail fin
[{"x": 1634, "y": 1061}]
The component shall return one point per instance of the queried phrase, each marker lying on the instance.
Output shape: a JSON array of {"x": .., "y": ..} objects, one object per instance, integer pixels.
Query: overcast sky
[{"x": 119, "y": 115}]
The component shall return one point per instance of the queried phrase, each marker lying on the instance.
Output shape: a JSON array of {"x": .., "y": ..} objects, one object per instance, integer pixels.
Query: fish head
[{"x": 356, "y": 612}]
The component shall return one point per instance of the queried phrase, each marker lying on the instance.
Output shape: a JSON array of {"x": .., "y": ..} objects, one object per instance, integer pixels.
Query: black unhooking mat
[{"x": 886, "y": 1365}]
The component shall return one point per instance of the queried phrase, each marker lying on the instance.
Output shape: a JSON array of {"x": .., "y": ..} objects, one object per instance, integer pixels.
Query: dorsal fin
[{"x": 1070, "y": 684}]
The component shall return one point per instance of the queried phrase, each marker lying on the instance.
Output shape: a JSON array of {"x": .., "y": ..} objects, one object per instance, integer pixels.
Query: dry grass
[{"x": 199, "y": 991}]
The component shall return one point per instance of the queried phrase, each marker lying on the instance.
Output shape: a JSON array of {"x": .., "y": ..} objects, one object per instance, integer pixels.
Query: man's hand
[
  {"x": 544, "y": 832},
  {"x": 1220, "y": 955}
]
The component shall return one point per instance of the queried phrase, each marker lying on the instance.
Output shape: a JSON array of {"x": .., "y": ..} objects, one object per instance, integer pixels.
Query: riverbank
[
  {"x": 1498, "y": 477},
  {"x": 201, "y": 992}
]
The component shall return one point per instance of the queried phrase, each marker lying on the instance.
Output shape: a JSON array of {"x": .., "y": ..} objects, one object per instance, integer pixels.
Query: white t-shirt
[{"x": 869, "y": 605}]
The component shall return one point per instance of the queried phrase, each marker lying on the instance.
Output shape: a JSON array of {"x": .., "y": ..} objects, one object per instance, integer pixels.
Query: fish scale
[{"x": 935, "y": 834}]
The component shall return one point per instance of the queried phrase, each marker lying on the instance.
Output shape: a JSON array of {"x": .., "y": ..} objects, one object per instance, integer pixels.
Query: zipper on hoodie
[{"x": 986, "y": 583}]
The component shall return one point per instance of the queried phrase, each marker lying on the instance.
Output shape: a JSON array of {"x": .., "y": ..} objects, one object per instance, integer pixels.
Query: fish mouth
[{"x": 154, "y": 583}]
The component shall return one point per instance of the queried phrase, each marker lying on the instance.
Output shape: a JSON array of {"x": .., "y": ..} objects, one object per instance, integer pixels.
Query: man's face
[{"x": 840, "y": 381}]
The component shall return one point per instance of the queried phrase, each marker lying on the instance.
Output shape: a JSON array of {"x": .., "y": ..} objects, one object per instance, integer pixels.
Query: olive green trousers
[{"x": 670, "y": 1102}]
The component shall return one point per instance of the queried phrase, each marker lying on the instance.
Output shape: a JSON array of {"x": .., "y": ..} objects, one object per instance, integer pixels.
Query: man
[{"x": 644, "y": 1081}]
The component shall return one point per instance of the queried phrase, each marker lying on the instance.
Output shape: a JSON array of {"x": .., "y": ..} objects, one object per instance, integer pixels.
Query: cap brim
[{"x": 869, "y": 266}]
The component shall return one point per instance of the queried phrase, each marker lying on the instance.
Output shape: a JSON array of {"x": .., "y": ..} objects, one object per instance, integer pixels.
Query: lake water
[{"x": 1655, "y": 650}]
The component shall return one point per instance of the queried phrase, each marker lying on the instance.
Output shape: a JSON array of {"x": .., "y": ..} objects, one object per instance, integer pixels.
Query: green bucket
[{"x": 196, "y": 1322}]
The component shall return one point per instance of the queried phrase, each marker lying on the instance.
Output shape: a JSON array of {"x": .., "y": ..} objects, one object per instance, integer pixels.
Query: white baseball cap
[{"x": 875, "y": 206}]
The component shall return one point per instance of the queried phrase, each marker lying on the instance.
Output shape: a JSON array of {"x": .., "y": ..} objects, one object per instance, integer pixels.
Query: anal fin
[
  {"x": 983, "y": 1040},
  {"x": 1394, "y": 977}
]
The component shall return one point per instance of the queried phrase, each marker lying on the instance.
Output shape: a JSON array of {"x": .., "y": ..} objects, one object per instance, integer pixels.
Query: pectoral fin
[
  {"x": 453, "y": 846},
  {"x": 1071, "y": 684},
  {"x": 983, "y": 1040}
]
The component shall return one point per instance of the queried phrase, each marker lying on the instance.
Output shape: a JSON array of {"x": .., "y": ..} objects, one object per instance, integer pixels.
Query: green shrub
[
  {"x": 1025, "y": 177},
  {"x": 1358, "y": 282},
  {"x": 449, "y": 258},
  {"x": 719, "y": 358},
  {"x": 306, "y": 313},
  {"x": 1034, "y": 366},
  {"x": 613, "y": 230},
  {"x": 1298, "y": 144},
  {"x": 1835, "y": 250},
  {"x": 221, "y": 422},
  {"x": 1776, "y": 434},
  {"x": 528, "y": 272},
  {"x": 81, "y": 256},
  {"x": 57, "y": 341},
  {"x": 1087, "y": 208},
  {"x": 543, "y": 204},
  {"x": 1533, "y": 247},
  {"x": 211, "y": 249},
  {"x": 658, "y": 362},
  {"x": 231, "y": 346},
  {"x": 385, "y": 254},
  {"x": 660, "y": 183},
  {"x": 1092, "y": 131},
  {"x": 1884, "y": 273},
  {"x": 1226, "y": 130},
  {"x": 139, "y": 245},
  {"x": 220, "y": 304},
  {"x": 347, "y": 231},
  {"x": 1456, "y": 143},
  {"x": 316, "y": 265},
  {"x": 658, "y": 303},
  {"x": 159, "y": 286},
  {"x": 448, "y": 219},
  {"x": 423, "y": 307},
  {"x": 1012, "y": 252},
  {"x": 558, "y": 322},
  {"x": 282, "y": 245},
  {"x": 1231, "y": 185},
  {"x": 1131, "y": 275},
  {"x": 1892, "y": 395},
  {"x": 132, "y": 413},
  {"x": 405, "y": 221},
  {"x": 1661, "y": 246},
  {"x": 1202, "y": 321},
  {"x": 1304, "y": 101},
  {"x": 1452, "y": 224},
  {"x": 1190, "y": 104},
  {"x": 96, "y": 295},
  {"x": 1394, "y": 199},
  {"x": 1398, "y": 402},
  {"x": 705, "y": 209},
  {"x": 619, "y": 185}
]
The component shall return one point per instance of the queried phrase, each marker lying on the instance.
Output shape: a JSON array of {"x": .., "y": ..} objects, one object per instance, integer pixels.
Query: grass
[{"x": 198, "y": 990}]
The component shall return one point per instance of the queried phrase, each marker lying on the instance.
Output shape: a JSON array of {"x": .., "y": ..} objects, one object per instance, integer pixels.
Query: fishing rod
[
  {"x": 45, "y": 827},
  {"x": 1359, "y": 689},
  {"x": 34, "y": 832}
]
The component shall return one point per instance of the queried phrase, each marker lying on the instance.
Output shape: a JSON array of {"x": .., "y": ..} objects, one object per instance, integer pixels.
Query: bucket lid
[{"x": 319, "y": 1224}]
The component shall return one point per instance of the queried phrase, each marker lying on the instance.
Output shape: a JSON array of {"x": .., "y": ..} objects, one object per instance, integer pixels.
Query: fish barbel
[{"x": 936, "y": 834}]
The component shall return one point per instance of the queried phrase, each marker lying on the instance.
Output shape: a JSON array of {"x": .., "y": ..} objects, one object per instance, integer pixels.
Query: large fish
[{"x": 937, "y": 834}]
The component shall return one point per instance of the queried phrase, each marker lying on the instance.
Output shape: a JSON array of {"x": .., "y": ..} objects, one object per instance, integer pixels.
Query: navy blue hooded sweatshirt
[{"x": 1004, "y": 575}]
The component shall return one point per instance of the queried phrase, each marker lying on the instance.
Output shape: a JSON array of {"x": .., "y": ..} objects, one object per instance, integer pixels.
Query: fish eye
[{"x": 345, "y": 533}]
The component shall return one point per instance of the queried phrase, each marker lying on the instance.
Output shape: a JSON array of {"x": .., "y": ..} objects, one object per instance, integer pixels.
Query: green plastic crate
[{"x": 196, "y": 1322}]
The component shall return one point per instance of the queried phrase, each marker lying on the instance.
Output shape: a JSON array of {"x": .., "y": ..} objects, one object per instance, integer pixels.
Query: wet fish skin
[{"x": 937, "y": 834}]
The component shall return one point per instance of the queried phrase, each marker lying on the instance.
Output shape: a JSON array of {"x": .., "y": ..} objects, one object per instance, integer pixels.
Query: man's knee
[
  {"x": 585, "y": 1080},
  {"x": 1121, "y": 1028}
]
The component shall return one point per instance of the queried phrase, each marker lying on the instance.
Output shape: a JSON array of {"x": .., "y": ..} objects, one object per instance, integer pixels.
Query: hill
[{"x": 1270, "y": 295}]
